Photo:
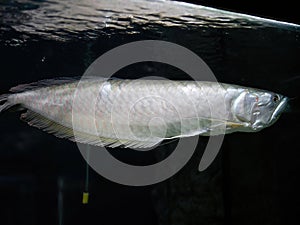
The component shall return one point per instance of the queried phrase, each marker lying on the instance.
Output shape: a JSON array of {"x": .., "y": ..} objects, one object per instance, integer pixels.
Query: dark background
[
  {"x": 254, "y": 179},
  {"x": 284, "y": 11}
]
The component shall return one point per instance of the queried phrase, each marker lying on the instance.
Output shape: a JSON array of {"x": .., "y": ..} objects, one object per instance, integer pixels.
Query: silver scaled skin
[{"x": 142, "y": 113}]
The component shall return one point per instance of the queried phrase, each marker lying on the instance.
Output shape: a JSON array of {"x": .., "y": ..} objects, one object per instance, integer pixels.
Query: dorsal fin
[
  {"x": 51, "y": 82},
  {"x": 44, "y": 83}
]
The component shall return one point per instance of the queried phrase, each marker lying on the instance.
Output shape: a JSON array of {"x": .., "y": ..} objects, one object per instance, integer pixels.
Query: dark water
[{"x": 254, "y": 179}]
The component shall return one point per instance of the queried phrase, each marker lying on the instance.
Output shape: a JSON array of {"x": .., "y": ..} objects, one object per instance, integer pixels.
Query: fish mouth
[{"x": 279, "y": 109}]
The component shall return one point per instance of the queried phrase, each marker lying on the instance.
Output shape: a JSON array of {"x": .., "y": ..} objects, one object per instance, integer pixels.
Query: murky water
[{"x": 46, "y": 39}]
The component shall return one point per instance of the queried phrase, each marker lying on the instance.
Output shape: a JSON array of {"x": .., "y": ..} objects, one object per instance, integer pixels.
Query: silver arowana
[{"x": 141, "y": 113}]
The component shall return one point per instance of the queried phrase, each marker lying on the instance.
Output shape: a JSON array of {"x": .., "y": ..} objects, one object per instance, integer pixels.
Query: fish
[{"x": 141, "y": 113}]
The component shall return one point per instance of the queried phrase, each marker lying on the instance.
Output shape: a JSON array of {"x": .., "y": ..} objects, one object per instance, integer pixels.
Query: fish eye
[{"x": 275, "y": 98}]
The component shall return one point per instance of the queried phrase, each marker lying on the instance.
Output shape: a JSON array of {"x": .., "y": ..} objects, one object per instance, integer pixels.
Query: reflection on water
[{"x": 65, "y": 19}]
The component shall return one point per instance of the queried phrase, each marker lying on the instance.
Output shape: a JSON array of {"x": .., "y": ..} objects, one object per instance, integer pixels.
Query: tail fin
[{"x": 4, "y": 102}]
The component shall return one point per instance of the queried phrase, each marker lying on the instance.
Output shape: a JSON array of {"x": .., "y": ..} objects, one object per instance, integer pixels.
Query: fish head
[{"x": 259, "y": 109}]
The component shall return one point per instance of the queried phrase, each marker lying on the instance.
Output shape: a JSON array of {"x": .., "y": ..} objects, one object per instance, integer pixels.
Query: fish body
[{"x": 142, "y": 113}]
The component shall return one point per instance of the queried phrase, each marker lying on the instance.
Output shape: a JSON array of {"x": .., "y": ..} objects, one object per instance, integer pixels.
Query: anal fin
[{"x": 39, "y": 121}]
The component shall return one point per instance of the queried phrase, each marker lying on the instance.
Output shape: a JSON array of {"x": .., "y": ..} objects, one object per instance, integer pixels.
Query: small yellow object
[{"x": 85, "y": 198}]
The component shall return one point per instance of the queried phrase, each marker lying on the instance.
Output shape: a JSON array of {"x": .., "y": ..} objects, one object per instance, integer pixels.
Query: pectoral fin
[{"x": 233, "y": 125}]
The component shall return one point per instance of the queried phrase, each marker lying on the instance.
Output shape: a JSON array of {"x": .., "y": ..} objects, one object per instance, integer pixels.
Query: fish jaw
[{"x": 280, "y": 108}]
